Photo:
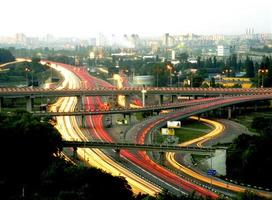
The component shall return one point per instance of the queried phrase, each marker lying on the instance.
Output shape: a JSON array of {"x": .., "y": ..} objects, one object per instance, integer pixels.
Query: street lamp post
[
  {"x": 143, "y": 95},
  {"x": 29, "y": 70},
  {"x": 262, "y": 72},
  {"x": 170, "y": 74}
]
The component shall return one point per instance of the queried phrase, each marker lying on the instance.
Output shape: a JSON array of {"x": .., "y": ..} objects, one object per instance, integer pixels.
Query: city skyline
[{"x": 153, "y": 18}]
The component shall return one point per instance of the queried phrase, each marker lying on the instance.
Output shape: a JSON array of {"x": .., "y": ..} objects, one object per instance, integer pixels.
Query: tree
[
  {"x": 197, "y": 81},
  {"x": 64, "y": 180},
  {"x": 233, "y": 61},
  {"x": 6, "y": 56},
  {"x": 30, "y": 146},
  {"x": 214, "y": 62},
  {"x": 199, "y": 62},
  {"x": 267, "y": 64},
  {"x": 183, "y": 57},
  {"x": 212, "y": 82},
  {"x": 250, "y": 158},
  {"x": 249, "y": 195},
  {"x": 159, "y": 72},
  {"x": 249, "y": 67}
]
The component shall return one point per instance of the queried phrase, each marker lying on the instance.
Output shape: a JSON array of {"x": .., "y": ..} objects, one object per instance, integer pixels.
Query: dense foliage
[
  {"x": 26, "y": 71},
  {"x": 67, "y": 181},
  {"x": 250, "y": 160},
  {"x": 28, "y": 146},
  {"x": 62, "y": 59},
  {"x": 6, "y": 56},
  {"x": 31, "y": 166}
]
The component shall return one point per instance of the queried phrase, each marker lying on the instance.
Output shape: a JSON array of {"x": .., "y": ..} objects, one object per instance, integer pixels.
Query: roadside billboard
[
  {"x": 173, "y": 124},
  {"x": 167, "y": 131}
]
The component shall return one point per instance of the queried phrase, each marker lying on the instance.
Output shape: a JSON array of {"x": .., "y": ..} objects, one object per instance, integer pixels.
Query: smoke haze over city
[{"x": 83, "y": 18}]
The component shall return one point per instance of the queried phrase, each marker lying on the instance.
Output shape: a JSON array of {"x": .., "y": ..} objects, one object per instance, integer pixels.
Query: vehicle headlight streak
[
  {"x": 68, "y": 127},
  {"x": 161, "y": 171},
  {"x": 218, "y": 129}
]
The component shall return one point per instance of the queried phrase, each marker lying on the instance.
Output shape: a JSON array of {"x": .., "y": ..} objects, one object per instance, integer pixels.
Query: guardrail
[{"x": 150, "y": 147}]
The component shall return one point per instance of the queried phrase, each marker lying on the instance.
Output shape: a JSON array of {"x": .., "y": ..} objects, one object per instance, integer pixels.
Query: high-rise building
[
  {"x": 165, "y": 40},
  {"x": 101, "y": 40},
  {"x": 173, "y": 55},
  {"x": 20, "y": 38},
  {"x": 223, "y": 50}
]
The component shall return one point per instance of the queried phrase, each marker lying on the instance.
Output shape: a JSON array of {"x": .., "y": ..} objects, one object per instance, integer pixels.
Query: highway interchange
[{"x": 142, "y": 173}]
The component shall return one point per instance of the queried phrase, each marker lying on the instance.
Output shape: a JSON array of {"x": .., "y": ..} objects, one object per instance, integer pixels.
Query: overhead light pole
[
  {"x": 170, "y": 74},
  {"x": 27, "y": 69},
  {"x": 263, "y": 72}
]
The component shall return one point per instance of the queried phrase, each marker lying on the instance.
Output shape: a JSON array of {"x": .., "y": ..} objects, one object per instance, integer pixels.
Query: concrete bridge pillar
[
  {"x": 127, "y": 101},
  {"x": 75, "y": 152},
  {"x": 220, "y": 112},
  {"x": 160, "y": 99},
  {"x": 143, "y": 99},
  {"x": 174, "y": 99},
  {"x": 1, "y": 103},
  {"x": 162, "y": 157},
  {"x": 229, "y": 112},
  {"x": 80, "y": 102},
  {"x": 117, "y": 154},
  {"x": 29, "y": 103}
]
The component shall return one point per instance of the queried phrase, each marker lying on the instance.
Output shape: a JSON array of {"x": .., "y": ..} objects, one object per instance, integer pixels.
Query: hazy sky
[{"x": 86, "y": 18}]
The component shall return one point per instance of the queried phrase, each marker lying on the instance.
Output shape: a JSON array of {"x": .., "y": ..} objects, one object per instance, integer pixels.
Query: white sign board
[{"x": 173, "y": 124}]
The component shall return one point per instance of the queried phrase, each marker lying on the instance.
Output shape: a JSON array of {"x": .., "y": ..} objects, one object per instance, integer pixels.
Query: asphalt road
[{"x": 232, "y": 131}]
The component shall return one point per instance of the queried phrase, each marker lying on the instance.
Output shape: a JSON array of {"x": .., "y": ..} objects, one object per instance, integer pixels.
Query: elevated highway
[
  {"x": 31, "y": 93},
  {"x": 150, "y": 125},
  {"x": 157, "y": 108},
  {"x": 133, "y": 146},
  {"x": 113, "y": 91},
  {"x": 130, "y": 110}
]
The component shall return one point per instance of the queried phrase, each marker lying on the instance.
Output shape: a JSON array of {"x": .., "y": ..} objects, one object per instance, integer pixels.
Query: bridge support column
[
  {"x": 174, "y": 99},
  {"x": 117, "y": 154},
  {"x": 1, "y": 103},
  {"x": 160, "y": 99},
  {"x": 127, "y": 101},
  {"x": 80, "y": 102},
  {"x": 255, "y": 106},
  {"x": 220, "y": 112},
  {"x": 162, "y": 157},
  {"x": 75, "y": 152},
  {"x": 129, "y": 118},
  {"x": 229, "y": 112},
  {"x": 195, "y": 97},
  {"x": 83, "y": 119},
  {"x": 143, "y": 99},
  {"x": 29, "y": 103}
]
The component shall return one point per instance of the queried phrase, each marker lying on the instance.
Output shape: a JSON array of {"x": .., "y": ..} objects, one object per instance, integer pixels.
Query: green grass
[
  {"x": 190, "y": 129},
  {"x": 186, "y": 135},
  {"x": 198, "y": 158},
  {"x": 197, "y": 125},
  {"x": 246, "y": 120}
]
